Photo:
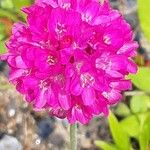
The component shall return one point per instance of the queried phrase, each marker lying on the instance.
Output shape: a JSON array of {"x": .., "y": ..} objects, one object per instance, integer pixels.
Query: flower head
[{"x": 71, "y": 57}]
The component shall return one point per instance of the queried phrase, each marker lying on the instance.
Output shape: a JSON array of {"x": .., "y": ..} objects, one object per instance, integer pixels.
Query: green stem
[{"x": 73, "y": 137}]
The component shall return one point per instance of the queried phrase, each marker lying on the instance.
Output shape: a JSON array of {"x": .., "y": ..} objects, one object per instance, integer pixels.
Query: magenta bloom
[{"x": 71, "y": 57}]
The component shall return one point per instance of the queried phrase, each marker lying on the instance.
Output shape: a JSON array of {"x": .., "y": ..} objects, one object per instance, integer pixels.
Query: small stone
[
  {"x": 10, "y": 143},
  {"x": 57, "y": 140},
  {"x": 38, "y": 141},
  {"x": 12, "y": 112},
  {"x": 10, "y": 131},
  {"x": 86, "y": 143},
  {"x": 2, "y": 134},
  {"x": 45, "y": 128}
]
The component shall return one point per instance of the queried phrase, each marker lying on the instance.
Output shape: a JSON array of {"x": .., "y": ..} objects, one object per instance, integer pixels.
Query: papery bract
[{"x": 71, "y": 57}]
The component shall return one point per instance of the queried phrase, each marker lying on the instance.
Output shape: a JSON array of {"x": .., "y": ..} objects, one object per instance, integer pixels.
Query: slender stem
[{"x": 73, "y": 137}]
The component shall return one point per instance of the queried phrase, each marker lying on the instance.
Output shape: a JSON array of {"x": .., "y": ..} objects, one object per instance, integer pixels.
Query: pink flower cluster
[{"x": 71, "y": 57}]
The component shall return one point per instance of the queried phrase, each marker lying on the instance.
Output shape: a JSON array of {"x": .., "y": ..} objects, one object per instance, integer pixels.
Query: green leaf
[
  {"x": 119, "y": 135},
  {"x": 2, "y": 47},
  {"x": 7, "y": 4},
  {"x": 8, "y": 14},
  {"x": 144, "y": 138},
  {"x": 139, "y": 103},
  {"x": 2, "y": 31},
  {"x": 2, "y": 36},
  {"x": 21, "y": 3},
  {"x": 2, "y": 27},
  {"x": 18, "y": 4},
  {"x": 122, "y": 110},
  {"x": 142, "y": 79},
  {"x": 143, "y": 12},
  {"x": 148, "y": 130},
  {"x": 147, "y": 122},
  {"x": 131, "y": 125},
  {"x": 105, "y": 146}
]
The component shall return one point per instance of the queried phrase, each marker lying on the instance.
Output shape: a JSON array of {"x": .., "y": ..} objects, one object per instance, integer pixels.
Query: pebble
[
  {"x": 45, "y": 128},
  {"x": 10, "y": 143}
]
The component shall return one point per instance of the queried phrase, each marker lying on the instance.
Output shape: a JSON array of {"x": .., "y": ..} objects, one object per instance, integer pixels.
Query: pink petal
[
  {"x": 49, "y": 2},
  {"x": 113, "y": 96},
  {"x": 60, "y": 113},
  {"x": 41, "y": 99},
  {"x": 16, "y": 62},
  {"x": 80, "y": 116},
  {"x": 92, "y": 9},
  {"x": 20, "y": 63},
  {"x": 14, "y": 74},
  {"x": 88, "y": 96},
  {"x": 122, "y": 85},
  {"x": 105, "y": 111},
  {"x": 115, "y": 74},
  {"x": 51, "y": 98},
  {"x": 5, "y": 56},
  {"x": 75, "y": 87},
  {"x": 128, "y": 49},
  {"x": 101, "y": 20},
  {"x": 71, "y": 116},
  {"x": 132, "y": 67},
  {"x": 64, "y": 101}
]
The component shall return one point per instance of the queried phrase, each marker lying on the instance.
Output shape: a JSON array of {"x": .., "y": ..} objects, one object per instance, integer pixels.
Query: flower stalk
[{"x": 73, "y": 137}]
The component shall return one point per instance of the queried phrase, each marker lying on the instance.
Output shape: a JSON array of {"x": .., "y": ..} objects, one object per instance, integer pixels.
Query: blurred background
[{"x": 127, "y": 127}]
